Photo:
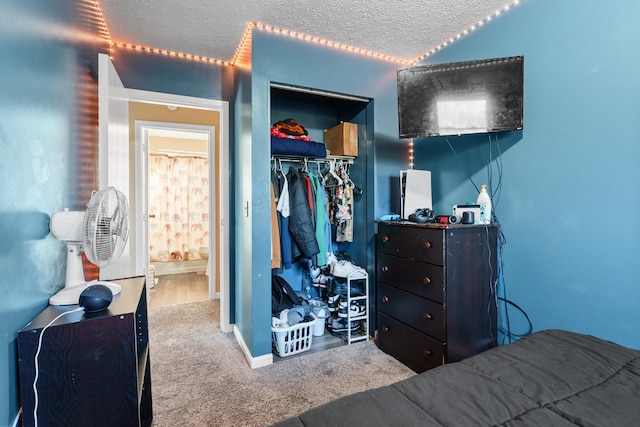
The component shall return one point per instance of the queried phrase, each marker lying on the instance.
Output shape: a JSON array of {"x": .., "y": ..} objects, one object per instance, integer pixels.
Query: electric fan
[{"x": 100, "y": 232}]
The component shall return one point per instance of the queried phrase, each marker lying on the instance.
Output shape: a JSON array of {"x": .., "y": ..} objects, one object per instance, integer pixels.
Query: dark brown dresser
[
  {"x": 435, "y": 293},
  {"x": 89, "y": 369}
]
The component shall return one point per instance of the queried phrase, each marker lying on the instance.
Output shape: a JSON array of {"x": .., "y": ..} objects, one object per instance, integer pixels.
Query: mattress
[{"x": 549, "y": 378}]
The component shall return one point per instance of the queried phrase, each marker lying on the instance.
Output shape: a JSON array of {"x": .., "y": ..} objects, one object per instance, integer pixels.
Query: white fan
[{"x": 100, "y": 232}]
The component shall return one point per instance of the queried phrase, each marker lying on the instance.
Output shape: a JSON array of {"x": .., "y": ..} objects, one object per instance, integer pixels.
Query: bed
[{"x": 549, "y": 378}]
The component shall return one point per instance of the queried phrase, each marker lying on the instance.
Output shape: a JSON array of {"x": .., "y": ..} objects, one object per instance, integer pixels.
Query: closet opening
[{"x": 335, "y": 280}]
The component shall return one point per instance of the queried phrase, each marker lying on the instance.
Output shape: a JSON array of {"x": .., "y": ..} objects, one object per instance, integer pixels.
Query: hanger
[
  {"x": 345, "y": 172},
  {"x": 333, "y": 173},
  {"x": 319, "y": 173}
]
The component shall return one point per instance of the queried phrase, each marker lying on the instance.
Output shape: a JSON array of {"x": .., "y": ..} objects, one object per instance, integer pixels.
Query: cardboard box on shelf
[{"x": 342, "y": 140}]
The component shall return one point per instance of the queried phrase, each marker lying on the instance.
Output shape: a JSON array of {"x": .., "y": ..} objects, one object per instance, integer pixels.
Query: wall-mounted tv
[{"x": 461, "y": 98}]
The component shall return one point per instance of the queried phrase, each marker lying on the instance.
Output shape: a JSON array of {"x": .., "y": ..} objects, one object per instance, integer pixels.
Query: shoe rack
[{"x": 360, "y": 334}]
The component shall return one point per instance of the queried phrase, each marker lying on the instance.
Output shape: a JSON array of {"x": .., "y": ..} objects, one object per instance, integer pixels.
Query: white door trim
[
  {"x": 113, "y": 153},
  {"x": 143, "y": 129},
  {"x": 221, "y": 180}
]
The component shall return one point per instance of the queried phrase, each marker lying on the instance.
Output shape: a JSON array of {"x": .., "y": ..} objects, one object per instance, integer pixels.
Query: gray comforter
[{"x": 550, "y": 378}]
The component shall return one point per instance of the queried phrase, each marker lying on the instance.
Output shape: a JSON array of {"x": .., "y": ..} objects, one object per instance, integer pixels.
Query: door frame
[
  {"x": 143, "y": 129},
  {"x": 221, "y": 179}
]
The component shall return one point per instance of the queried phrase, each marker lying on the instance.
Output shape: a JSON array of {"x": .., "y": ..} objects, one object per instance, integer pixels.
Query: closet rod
[{"x": 318, "y": 160}]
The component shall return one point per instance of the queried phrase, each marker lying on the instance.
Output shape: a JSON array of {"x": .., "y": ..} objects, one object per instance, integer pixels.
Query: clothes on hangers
[
  {"x": 341, "y": 196},
  {"x": 283, "y": 210},
  {"x": 307, "y": 206},
  {"x": 322, "y": 221},
  {"x": 275, "y": 233},
  {"x": 301, "y": 224}
]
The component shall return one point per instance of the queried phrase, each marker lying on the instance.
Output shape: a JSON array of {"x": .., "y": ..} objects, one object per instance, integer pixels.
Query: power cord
[
  {"x": 16, "y": 421},
  {"x": 498, "y": 286},
  {"x": 507, "y": 332},
  {"x": 35, "y": 380}
]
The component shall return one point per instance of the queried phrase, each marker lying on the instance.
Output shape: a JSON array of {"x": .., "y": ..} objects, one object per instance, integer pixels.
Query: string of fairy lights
[
  {"x": 245, "y": 44},
  {"x": 245, "y": 41},
  {"x": 468, "y": 30}
]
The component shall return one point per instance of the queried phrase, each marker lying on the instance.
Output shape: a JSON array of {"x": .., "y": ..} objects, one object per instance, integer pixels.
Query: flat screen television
[{"x": 461, "y": 98}]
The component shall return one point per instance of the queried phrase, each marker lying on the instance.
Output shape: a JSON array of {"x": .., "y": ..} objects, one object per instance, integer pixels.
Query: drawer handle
[
  {"x": 427, "y": 353},
  {"x": 385, "y": 268},
  {"x": 426, "y": 280},
  {"x": 385, "y": 299},
  {"x": 385, "y": 329},
  {"x": 427, "y": 245},
  {"x": 428, "y": 316},
  {"x": 385, "y": 239}
]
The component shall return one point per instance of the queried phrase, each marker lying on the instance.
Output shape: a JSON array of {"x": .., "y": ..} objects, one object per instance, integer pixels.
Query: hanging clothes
[
  {"x": 322, "y": 220},
  {"x": 342, "y": 206},
  {"x": 301, "y": 224},
  {"x": 283, "y": 210},
  {"x": 344, "y": 225},
  {"x": 275, "y": 232}
]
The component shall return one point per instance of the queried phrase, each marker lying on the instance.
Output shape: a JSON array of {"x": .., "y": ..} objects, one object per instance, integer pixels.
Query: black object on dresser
[
  {"x": 93, "y": 368},
  {"x": 436, "y": 299}
]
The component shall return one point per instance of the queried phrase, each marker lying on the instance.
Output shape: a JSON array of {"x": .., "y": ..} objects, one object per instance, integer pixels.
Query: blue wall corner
[{"x": 560, "y": 181}]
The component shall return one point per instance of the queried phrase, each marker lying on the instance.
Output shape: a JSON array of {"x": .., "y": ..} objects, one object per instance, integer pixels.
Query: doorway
[
  {"x": 180, "y": 238},
  {"x": 184, "y": 109}
]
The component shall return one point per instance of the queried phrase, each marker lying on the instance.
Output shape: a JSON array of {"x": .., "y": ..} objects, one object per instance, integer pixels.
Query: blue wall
[
  {"x": 569, "y": 188},
  {"x": 165, "y": 74},
  {"x": 319, "y": 68},
  {"x": 46, "y": 88}
]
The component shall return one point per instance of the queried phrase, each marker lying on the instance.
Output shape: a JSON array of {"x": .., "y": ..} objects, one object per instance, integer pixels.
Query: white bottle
[{"x": 484, "y": 200}]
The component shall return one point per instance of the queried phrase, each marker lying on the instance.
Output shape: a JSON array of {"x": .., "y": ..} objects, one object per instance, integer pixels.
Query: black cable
[
  {"x": 457, "y": 158},
  {"x": 500, "y": 167},
  {"x": 494, "y": 195},
  {"x": 516, "y": 306},
  {"x": 501, "y": 242}
]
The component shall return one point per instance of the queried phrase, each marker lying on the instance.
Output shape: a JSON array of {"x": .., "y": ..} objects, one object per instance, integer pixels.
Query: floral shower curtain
[{"x": 178, "y": 207}]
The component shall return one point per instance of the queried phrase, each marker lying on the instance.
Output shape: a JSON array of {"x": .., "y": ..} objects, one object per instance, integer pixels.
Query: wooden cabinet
[
  {"x": 436, "y": 300},
  {"x": 92, "y": 369}
]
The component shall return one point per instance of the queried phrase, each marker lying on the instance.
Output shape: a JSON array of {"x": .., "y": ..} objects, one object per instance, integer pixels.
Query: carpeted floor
[{"x": 200, "y": 377}]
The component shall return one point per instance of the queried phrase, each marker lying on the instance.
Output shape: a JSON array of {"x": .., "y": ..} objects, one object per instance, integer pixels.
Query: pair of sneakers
[
  {"x": 346, "y": 269},
  {"x": 333, "y": 302},
  {"x": 355, "y": 310},
  {"x": 338, "y": 285},
  {"x": 339, "y": 324}
]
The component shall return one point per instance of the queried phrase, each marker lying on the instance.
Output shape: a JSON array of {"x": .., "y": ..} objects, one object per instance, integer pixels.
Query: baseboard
[
  {"x": 179, "y": 267},
  {"x": 254, "y": 362}
]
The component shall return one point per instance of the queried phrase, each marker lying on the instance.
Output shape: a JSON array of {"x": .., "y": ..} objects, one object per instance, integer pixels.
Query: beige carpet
[{"x": 200, "y": 377}]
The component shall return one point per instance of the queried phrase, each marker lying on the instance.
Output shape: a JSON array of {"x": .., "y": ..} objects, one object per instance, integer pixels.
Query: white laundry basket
[{"x": 294, "y": 339}]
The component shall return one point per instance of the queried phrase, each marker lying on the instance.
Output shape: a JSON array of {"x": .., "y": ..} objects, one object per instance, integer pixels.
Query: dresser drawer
[
  {"x": 423, "y": 314},
  {"x": 425, "y": 280},
  {"x": 421, "y": 244},
  {"x": 417, "y": 350}
]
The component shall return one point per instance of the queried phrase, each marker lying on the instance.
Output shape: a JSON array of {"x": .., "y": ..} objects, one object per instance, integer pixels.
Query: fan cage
[{"x": 105, "y": 229}]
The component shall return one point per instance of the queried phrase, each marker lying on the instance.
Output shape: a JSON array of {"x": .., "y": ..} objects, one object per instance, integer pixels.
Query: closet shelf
[{"x": 301, "y": 159}]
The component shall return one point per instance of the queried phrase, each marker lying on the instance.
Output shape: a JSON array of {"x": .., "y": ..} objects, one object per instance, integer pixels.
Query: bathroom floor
[{"x": 174, "y": 289}]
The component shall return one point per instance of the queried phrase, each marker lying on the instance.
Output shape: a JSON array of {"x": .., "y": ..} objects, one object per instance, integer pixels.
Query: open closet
[{"x": 329, "y": 273}]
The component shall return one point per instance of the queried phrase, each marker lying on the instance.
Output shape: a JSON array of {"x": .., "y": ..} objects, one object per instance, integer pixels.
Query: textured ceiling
[{"x": 214, "y": 28}]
